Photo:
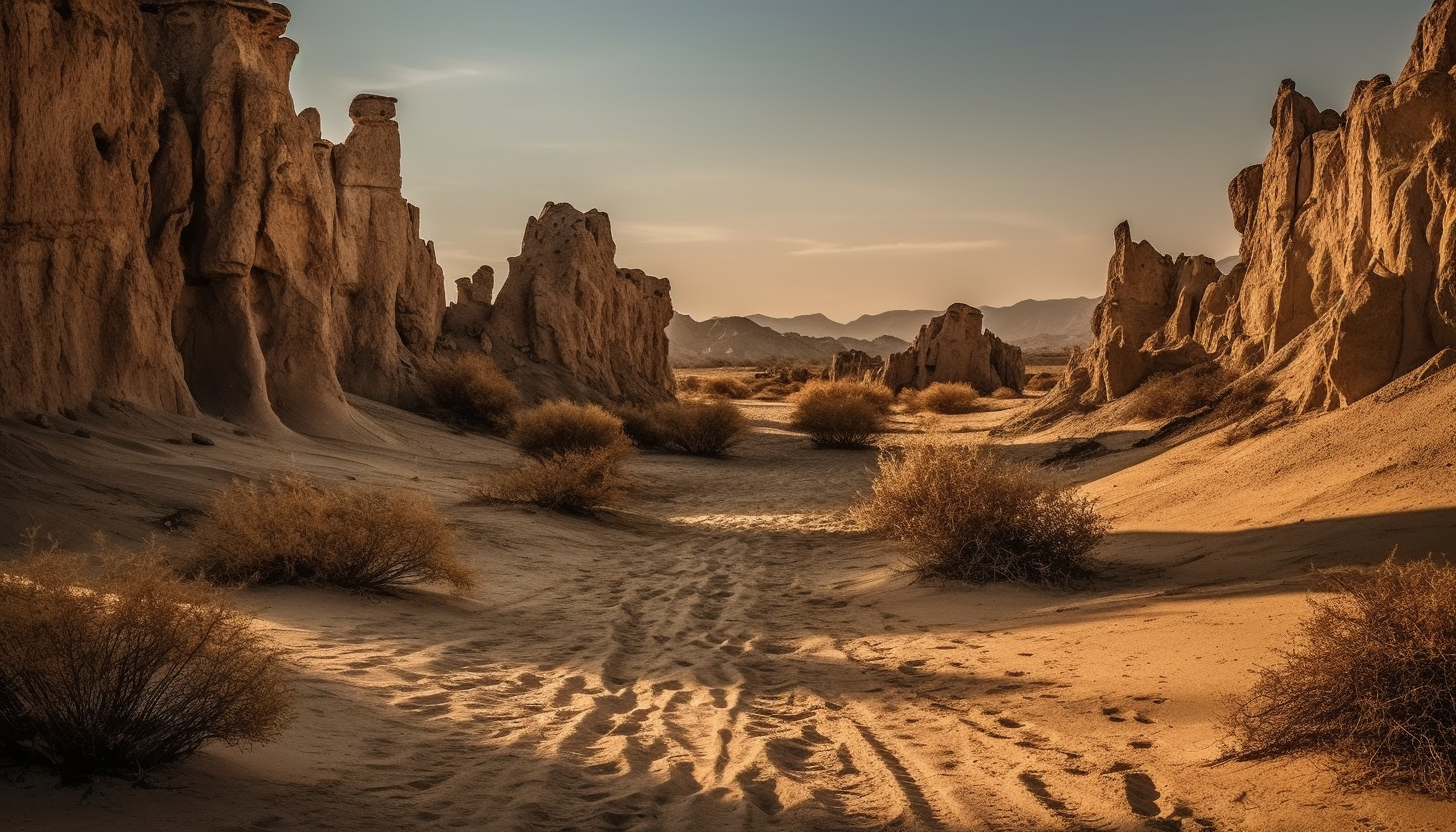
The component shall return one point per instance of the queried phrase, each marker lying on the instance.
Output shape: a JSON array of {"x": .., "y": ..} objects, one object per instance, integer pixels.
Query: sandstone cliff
[
  {"x": 175, "y": 235},
  {"x": 954, "y": 348},
  {"x": 569, "y": 323},
  {"x": 1348, "y": 275}
]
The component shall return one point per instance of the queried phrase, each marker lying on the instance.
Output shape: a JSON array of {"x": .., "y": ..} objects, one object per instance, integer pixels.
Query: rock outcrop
[
  {"x": 856, "y": 365},
  {"x": 175, "y": 235},
  {"x": 569, "y": 324},
  {"x": 1348, "y": 274},
  {"x": 954, "y": 348}
]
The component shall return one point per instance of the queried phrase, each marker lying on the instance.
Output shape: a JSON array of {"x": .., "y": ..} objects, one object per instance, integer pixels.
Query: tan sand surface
[{"x": 725, "y": 651}]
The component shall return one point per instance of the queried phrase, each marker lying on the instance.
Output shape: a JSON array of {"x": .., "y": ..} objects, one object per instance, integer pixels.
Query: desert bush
[
  {"x": 574, "y": 481},
  {"x": 1004, "y": 393},
  {"x": 965, "y": 514},
  {"x": 690, "y": 384},
  {"x": 849, "y": 421},
  {"x": 561, "y": 427},
  {"x": 872, "y": 392},
  {"x": 471, "y": 390},
  {"x": 1370, "y": 681},
  {"x": 291, "y": 530},
  {"x": 125, "y": 669},
  {"x": 1166, "y": 395},
  {"x": 948, "y": 399},
  {"x": 695, "y": 428},
  {"x": 725, "y": 387}
]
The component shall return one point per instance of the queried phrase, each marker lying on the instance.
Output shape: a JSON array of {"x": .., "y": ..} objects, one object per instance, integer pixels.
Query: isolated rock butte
[
  {"x": 173, "y": 234},
  {"x": 1348, "y": 279},
  {"x": 856, "y": 365},
  {"x": 953, "y": 348},
  {"x": 569, "y": 324}
]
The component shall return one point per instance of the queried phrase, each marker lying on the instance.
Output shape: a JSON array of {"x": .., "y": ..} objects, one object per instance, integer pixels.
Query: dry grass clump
[
  {"x": 1372, "y": 681},
  {"x": 842, "y": 414},
  {"x": 561, "y": 427},
  {"x": 1005, "y": 393},
  {"x": 690, "y": 384},
  {"x": 470, "y": 389},
  {"x": 575, "y": 482},
  {"x": 695, "y": 428},
  {"x": 123, "y": 670},
  {"x": 962, "y": 513},
  {"x": 1166, "y": 395},
  {"x": 291, "y": 530},
  {"x": 725, "y": 387},
  {"x": 948, "y": 399}
]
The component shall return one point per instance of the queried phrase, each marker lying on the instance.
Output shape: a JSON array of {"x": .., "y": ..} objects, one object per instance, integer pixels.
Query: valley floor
[{"x": 725, "y": 651}]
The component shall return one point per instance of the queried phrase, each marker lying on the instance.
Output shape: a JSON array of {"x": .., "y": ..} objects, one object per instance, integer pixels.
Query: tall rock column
[
  {"x": 953, "y": 348},
  {"x": 569, "y": 323},
  {"x": 82, "y": 313}
]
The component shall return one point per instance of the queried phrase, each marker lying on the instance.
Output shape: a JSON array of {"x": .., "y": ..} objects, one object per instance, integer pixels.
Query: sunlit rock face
[
  {"x": 183, "y": 238},
  {"x": 1348, "y": 278},
  {"x": 569, "y": 323},
  {"x": 954, "y": 348}
]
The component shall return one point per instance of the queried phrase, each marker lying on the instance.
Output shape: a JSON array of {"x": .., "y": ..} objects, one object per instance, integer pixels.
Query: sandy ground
[{"x": 726, "y": 652}]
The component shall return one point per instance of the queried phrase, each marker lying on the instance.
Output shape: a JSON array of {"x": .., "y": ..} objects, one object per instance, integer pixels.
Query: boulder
[
  {"x": 953, "y": 348},
  {"x": 569, "y": 323},
  {"x": 856, "y": 365}
]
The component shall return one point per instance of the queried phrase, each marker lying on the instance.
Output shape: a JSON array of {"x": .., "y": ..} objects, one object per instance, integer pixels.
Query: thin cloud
[
  {"x": 405, "y": 77},
  {"x": 656, "y": 233},
  {"x": 813, "y": 248}
]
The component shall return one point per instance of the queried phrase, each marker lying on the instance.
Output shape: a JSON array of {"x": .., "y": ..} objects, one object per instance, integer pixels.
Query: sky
[{"x": 839, "y": 156}]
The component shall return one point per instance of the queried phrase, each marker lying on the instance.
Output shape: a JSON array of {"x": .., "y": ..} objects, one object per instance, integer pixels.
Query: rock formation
[
  {"x": 954, "y": 348},
  {"x": 743, "y": 341},
  {"x": 856, "y": 365},
  {"x": 1348, "y": 274},
  {"x": 174, "y": 235},
  {"x": 569, "y": 323}
]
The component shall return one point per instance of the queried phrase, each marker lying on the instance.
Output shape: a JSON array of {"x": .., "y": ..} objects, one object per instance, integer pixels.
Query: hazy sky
[{"x": 839, "y": 156}]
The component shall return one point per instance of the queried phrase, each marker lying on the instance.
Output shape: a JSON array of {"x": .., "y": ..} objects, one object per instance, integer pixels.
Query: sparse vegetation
[
  {"x": 695, "y": 428},
  {"x": 291, "y": 530},
  {"x": 948, "y": 399},
  {"x": 1004, "y": 394},
  {"x": 469, "y": 389},
  {"x": 1166, "y": 395},
  {"x": 690, "y": 384},
  {"x": 962, "y": 513},
  {"x": 725, "y": 387},
  {"x": 561, "y": 427},
  {"x": 123, "y": 670},
  {"x": 842, "y": 414},
  {"x": 573, "y": 481},
  {"x": 1370, "y": 681}
]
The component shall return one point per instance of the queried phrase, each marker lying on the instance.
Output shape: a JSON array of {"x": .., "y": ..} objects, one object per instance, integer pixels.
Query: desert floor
[{"x": 725, "y": 651}]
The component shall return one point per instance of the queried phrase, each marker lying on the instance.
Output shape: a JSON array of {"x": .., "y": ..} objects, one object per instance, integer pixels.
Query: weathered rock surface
[
  {"x": 856, "y": 365},
  {"x": 954, "y": 348},
  {"x": 1348, "y": 275},
  {"x": 175, "y": 235},
  {"x": 569, "y": 324}
]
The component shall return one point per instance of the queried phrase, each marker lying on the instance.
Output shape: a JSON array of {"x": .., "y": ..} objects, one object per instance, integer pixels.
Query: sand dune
[{"x": 727, "y": 652}]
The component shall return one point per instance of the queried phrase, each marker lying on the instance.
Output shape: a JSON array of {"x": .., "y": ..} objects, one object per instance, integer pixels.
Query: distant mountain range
[
  {"x": 1033, "y": 325},
  {"x": 1030, "y": 324}
]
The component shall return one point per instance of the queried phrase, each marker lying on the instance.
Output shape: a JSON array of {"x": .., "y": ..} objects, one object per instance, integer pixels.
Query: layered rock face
[
  {"x": 953, "y": 348},
  {"x": 196, "y": 242},
  {"x": 569, "y": 324},
  {"x": 1348, "y": 279}
]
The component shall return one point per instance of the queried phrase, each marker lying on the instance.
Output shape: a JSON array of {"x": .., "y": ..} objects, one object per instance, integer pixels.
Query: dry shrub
[
  {"x": 872, "y": 392},
  {"x": 690, "y": 384},
  {"x": 1166, "y": 395},
  {"x": 293, "y": 531},
  {"x": 1005, "y": 393},
  {"x": 574, "y": 481},
  {"x": 962, "y": 513},
  {"x": 562, "y": 427},
  {"x": 1370, "y": 681},
  {"x": 948, "y": 399},
  {"x": 694, "y": 428},
  {"x": 725, "y": 387},
  {"x": 470, "y": 389},
  {"x": 842, "y": 414},
  {"x": 126, "y": 669}
]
